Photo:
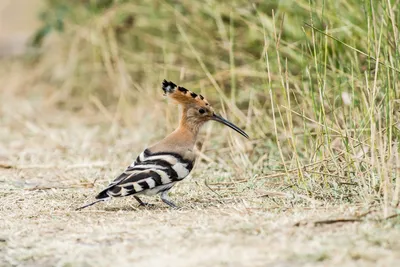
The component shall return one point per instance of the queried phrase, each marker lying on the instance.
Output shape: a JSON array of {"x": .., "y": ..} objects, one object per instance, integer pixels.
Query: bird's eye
[{"x": 202, "y": 111}]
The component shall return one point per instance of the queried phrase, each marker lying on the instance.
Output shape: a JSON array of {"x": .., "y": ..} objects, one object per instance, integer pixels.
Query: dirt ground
[
  {"x": 53, "y": 161},
  {"x": 52, "y": 164}
]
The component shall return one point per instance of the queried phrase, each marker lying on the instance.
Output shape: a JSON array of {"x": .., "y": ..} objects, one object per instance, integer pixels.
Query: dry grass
[
  {"x": 315, "y": 86},
  {"x": 59, "y": 159}
]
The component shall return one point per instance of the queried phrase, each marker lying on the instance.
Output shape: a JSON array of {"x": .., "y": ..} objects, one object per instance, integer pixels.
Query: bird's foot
[
  {"x": 165, "y": 199},
  {"x": 145, "y": 204}
]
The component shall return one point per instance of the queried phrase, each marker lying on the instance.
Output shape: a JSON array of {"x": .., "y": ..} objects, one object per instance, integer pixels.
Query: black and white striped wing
[{"x": 151, "y": 173}]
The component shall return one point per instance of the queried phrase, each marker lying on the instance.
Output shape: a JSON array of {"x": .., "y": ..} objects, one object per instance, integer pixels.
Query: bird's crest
[{"x": 182, "y": 95}]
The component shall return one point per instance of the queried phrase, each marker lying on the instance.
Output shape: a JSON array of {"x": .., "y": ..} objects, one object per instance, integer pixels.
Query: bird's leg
[
  {"x": 165, "y": 199},
  {"x": 141, "y": 203}
]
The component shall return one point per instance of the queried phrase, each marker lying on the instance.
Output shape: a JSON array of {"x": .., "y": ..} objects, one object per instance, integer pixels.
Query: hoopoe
[{"x": 158, "y": 168}]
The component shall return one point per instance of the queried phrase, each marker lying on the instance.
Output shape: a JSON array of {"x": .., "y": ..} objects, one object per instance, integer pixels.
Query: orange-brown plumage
[
  {"x": 159, "y": 167},
  {"x": 182, "y": 95},
  {"x": 195, "y": 110}
]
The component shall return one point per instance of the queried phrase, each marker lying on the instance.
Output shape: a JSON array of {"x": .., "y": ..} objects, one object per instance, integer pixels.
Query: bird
[{"x": 159, "y": 167}]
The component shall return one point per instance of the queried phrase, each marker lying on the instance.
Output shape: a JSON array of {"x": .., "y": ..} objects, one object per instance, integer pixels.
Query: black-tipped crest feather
[
  {"x": 181, "y": 94},
  {"x": 168, "y": 87},
  {"x": 156, "y": 170}
]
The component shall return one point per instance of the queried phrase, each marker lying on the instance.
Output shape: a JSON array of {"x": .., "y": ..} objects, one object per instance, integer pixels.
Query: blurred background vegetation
[{"x": 314, "y": 83}]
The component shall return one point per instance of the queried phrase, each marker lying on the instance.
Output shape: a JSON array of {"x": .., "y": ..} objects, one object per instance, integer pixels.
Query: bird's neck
[
  {"x": 187, "y": 131},
  {"x": 189, "y": 125},
  {"x": 180, "y": 141},
  {"x": 184, "y": 136}
]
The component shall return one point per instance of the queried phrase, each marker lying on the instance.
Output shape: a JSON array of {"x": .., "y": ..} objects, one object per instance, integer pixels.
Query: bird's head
[{"x": 196, "y": 109}]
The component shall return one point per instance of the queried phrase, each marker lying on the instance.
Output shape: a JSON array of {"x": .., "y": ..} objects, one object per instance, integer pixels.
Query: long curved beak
[{"x": 218, "y": 118}]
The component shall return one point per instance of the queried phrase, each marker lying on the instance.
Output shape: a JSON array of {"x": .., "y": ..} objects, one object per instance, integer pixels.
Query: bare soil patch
[{"x": 51, "y": 166}]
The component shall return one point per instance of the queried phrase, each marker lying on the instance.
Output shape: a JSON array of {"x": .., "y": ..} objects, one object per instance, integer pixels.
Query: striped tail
[
  {"x": 103, "y": 194},
  {"x": 91, "y": 204}
]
